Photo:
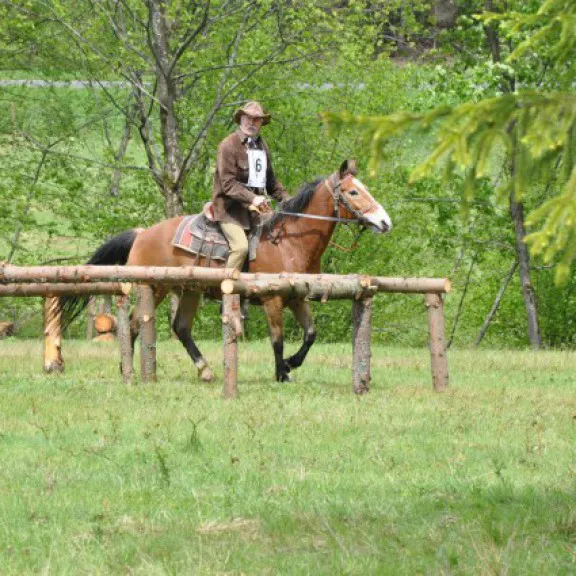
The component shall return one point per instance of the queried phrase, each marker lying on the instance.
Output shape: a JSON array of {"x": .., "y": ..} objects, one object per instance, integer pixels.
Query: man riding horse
[
  {"x": 243, "y": 180},
  {"x": 295, "y": 240}
]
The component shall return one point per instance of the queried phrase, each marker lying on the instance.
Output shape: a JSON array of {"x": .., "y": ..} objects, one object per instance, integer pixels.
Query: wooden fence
[{"x": 52, "y": 282}]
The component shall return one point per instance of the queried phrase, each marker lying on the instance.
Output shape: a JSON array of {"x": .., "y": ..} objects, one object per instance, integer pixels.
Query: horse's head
[{"x": 353, "y": 201}]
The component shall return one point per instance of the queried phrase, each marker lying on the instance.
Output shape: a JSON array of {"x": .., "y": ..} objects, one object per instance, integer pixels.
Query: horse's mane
[{"x": 296, "y": 204}]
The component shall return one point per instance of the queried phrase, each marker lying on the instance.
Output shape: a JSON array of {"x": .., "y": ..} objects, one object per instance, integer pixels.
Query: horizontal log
[
  {"x": 61, "y": 289},
  {"x": 412, "y": 285},
  {"x": 323, "y": 290},
  {"x": 179, "y": 275},
  {"x": 381, "y": 283}
]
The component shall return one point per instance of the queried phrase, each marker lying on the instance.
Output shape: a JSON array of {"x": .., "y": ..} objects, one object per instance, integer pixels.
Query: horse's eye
[{"x": 353, "y": 192}]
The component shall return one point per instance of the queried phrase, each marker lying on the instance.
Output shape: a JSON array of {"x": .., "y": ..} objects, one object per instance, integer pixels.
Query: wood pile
[{"x": 105, "y": 325}]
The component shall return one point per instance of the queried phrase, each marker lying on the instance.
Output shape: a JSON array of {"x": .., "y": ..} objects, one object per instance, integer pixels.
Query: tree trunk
[
  {"x": 517, "y": 214},
  {"x": 445, "y": 13},
  {"x": 508, "y": 85},
  {"x": 173, "y": 204},
  {"x": 496, "y": 304}
]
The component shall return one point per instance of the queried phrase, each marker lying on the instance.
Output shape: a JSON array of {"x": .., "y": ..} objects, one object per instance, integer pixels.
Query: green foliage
[
  {"x": 334, "y": 60},
  {"x": 549, "y": 31},
  {"x": 532, "y": 131}
]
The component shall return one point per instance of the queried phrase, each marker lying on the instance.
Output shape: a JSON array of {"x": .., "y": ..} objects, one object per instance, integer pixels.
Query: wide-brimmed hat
[{"x": 252, "y": 109}]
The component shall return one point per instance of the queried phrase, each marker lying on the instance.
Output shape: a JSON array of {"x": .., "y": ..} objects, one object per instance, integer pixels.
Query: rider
[{"x": 243, "y": 180}]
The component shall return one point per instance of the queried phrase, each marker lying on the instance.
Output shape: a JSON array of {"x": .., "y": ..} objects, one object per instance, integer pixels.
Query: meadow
[{"x": 301, "y": 478}]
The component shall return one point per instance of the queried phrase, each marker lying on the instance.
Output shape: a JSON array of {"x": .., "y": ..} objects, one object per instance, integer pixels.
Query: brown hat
[{"x": 252, "y": 109}]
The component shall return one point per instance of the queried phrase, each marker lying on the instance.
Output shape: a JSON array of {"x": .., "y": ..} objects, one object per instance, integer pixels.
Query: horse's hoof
[
  {"x": 206, "y": 375},
  {"x": 284, "y": 377}
]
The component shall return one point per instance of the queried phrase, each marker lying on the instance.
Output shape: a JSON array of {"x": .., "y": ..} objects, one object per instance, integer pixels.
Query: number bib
[{"x": 257, "y": 168}]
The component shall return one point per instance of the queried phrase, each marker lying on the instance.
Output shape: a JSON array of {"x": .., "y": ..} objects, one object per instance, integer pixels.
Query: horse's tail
[{"x": 113, "y": 252}]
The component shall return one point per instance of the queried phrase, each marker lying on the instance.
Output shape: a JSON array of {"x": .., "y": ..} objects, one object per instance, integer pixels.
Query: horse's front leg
[
  {"x": 303, "y": 315},
  {"x": 273, "y": 308}
]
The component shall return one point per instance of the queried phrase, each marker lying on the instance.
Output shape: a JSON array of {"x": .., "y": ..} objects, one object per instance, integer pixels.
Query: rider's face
[{"x": 250, "y": 125}]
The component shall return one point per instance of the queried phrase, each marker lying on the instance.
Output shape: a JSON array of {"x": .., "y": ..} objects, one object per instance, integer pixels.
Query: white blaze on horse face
[{"x": 377, "y": 217}]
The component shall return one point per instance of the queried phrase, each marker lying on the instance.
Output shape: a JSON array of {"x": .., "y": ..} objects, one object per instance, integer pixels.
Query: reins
[
  {"x": 315, "y": 217},
  {"x": 338, "y": 198}
]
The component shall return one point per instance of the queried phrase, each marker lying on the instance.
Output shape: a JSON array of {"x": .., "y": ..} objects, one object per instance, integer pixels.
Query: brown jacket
[{"x": 231, "y": 195}]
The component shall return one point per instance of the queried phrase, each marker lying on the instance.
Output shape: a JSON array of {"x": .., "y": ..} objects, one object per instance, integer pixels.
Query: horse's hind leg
[
  {"x": 182, "y": 327},
  {"x": 301, "y": 311},
  {"x": 273, "y": 308}
]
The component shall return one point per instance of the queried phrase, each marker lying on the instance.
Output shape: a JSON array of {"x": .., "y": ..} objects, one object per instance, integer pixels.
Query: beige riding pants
[{"x": 238, "y": 242}]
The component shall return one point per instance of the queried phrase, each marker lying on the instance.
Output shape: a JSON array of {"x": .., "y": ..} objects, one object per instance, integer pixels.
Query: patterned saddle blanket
[{"x": 203, "y": 237}]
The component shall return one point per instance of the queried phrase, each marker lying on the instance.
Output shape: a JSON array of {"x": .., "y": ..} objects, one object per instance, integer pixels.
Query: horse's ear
[{"x": 348, "y": 167}]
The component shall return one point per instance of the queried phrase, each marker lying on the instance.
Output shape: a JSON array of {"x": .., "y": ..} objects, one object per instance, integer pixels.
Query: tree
[
  {"x": 178, "y": 63},
  {"x": 522, "y": 137}
]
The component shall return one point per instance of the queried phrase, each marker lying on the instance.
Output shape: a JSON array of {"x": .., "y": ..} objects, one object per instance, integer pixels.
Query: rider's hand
[
  {"x": 259, "y": 201},
  {"x": 261, "y": 205}
]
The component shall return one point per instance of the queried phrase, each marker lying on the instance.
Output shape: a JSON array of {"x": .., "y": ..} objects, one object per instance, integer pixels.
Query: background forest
[{"x": 111, "y": 111}]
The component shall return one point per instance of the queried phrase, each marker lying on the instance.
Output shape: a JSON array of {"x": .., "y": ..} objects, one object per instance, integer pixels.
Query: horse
[{"x": 293, "y": 240}]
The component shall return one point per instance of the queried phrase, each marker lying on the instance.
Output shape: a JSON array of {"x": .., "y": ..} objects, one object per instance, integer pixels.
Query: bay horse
[{"x": 293, "y": 240}]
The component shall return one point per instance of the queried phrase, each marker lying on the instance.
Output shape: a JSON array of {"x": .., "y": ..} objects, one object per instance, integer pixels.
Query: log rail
[{"x": 51, "y": 282}]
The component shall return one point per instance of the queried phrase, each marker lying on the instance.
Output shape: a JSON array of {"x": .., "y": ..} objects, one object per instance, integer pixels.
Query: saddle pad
[{"x": 198, "y": 235}]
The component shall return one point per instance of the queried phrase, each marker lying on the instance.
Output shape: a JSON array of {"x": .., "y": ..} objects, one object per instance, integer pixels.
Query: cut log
[
  {"x": 411, "y": 285},
  {"x": 61, "y": 289},
  {"x": 106, "y": 337},
  {"x": 339, "y": 288},
  {"x": 105, "y": 323},
  {"x": 184, "y": 275}
]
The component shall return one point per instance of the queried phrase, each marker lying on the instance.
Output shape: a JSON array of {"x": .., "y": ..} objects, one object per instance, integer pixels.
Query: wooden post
[
  {"x": 362, "y": 318},
  {"x": 124, "y": 338},
  {"x": 438, "y": 358},
  {"x": 53, "y": 361},
  {"x": 230, "y": 318},
  {"x": 147, "y": 325}
]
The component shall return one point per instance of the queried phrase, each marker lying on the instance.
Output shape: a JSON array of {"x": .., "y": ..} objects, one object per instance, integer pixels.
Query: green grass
[{"x": 299, "y": 478}]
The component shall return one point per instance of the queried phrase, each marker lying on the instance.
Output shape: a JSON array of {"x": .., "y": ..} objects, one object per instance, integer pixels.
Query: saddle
[{"x": 199, "y": 234}]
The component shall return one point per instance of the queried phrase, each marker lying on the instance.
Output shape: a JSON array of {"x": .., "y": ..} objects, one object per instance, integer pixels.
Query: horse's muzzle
[{"x": 379, "y": 221}]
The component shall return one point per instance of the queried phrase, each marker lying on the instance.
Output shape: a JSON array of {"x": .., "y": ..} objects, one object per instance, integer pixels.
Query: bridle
[{"x": 334, "y": 186}]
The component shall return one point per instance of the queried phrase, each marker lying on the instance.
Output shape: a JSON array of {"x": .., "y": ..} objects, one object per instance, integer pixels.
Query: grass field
[{"x": 299, "y": 478}]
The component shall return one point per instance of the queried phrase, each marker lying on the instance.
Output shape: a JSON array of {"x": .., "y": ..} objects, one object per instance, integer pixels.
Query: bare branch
[
  {"x": 20, "y": 225},
  {"x": 48, "y": 150},
  {"x": 496, "y": 304},
  {"x": 190, "y": 38}
]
